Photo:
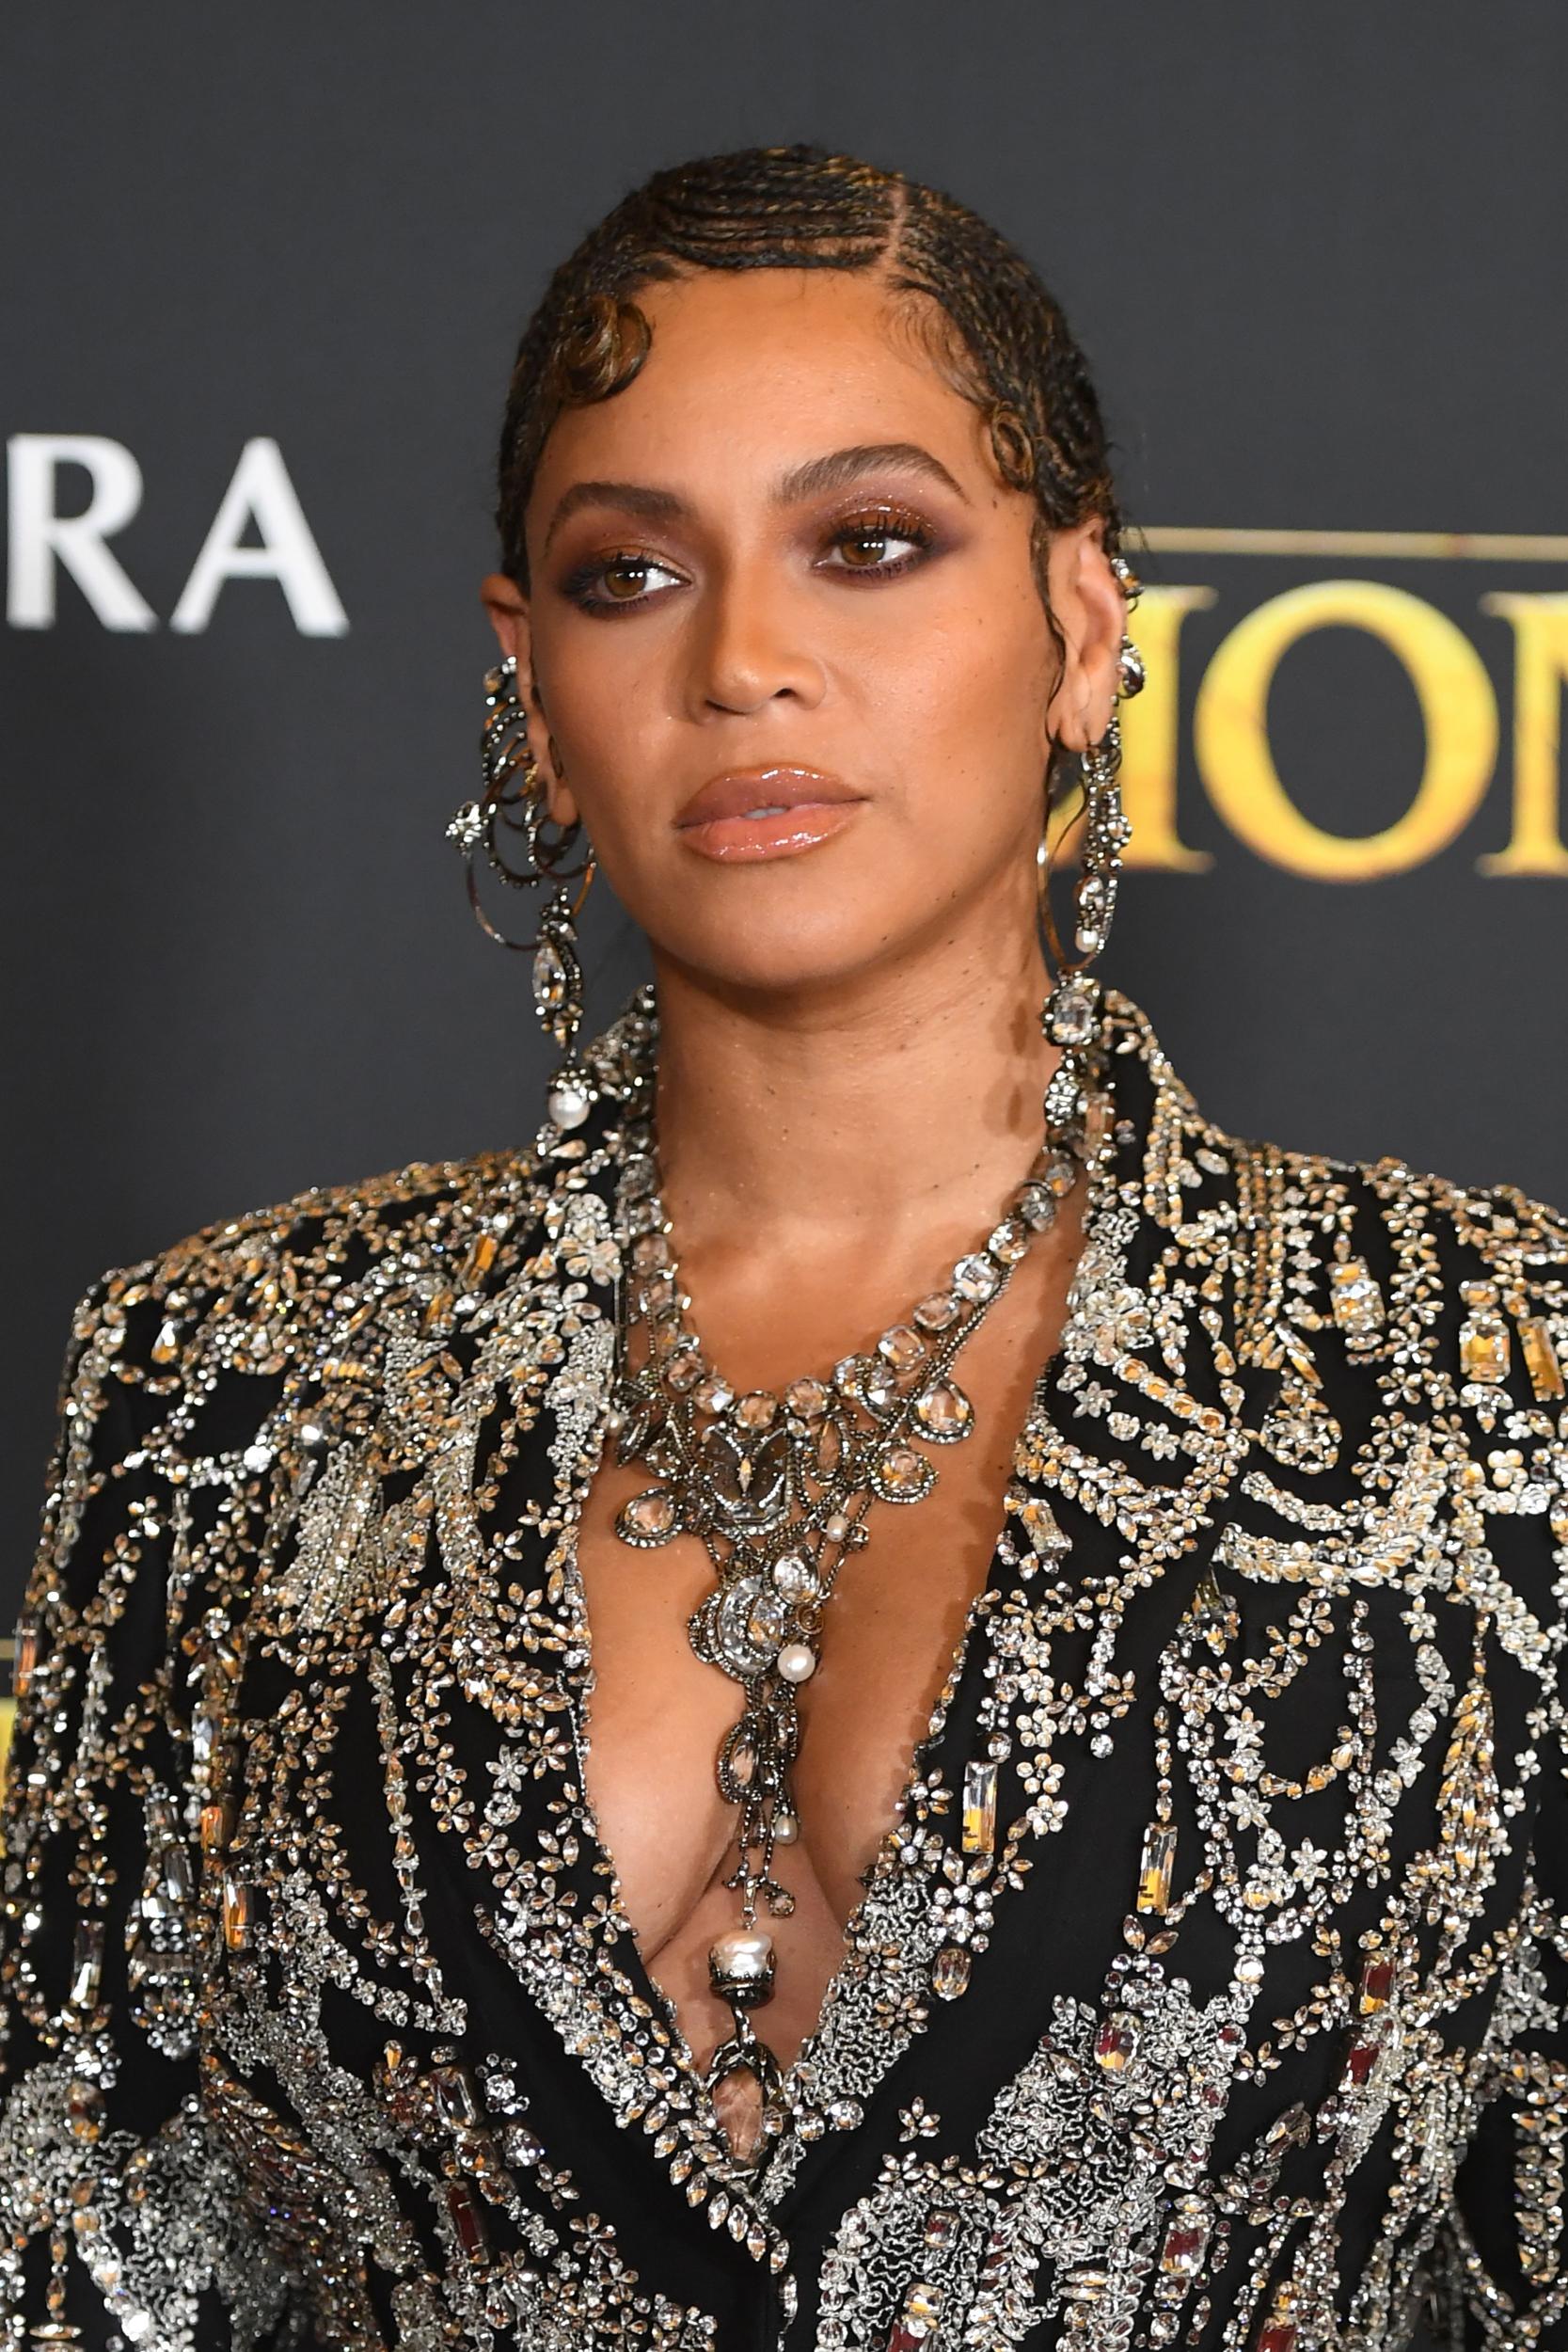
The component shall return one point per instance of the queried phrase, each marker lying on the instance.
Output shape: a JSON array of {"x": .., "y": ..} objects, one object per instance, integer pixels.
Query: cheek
[
  {"x": 606, "y": 705},
  {"x": 967, "y": 703}
]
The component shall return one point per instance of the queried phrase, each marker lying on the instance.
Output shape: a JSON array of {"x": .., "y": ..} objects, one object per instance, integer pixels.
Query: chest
[{"x": 891, "y": 1638}]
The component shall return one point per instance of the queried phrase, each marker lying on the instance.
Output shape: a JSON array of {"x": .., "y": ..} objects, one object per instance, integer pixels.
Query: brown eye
[
  {"x": 619, "y": 584},
  {"x": 625, "y": 579},
  {"x": 865, "y": 550},
  {"x": 879, "y": 547}
]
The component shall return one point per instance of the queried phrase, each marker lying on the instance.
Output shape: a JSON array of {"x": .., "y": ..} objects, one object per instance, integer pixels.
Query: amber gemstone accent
[
  {"x": 27, "y": 1655},
  {"x": 1354, "y": 1298},
  {"x": 950, "y": 1973},
  {"x": 216, "y": 1825},
  {"x": 83, "y": 2109},
  {"x": 979, "y": 1808},
  {"x": 237, "y": 1912},
  {"x": 166, "y": 1346},
  {"x": 480, "y": 1258},
  {"x": 1483, "y": 1343},
  {"x": 1541, "y": 1360},
  {"x": 1154, "y": 1868}
]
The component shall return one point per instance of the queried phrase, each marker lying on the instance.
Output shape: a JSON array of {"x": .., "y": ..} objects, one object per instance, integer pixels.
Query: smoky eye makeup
[
  {"x": 879, "y": 540},
  {"x": 876, "y": 538},
  {"x": 615, "y": 581}
]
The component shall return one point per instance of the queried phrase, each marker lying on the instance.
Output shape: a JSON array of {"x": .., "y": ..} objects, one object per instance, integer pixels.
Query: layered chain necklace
[{"x": 778, "y": 1487}]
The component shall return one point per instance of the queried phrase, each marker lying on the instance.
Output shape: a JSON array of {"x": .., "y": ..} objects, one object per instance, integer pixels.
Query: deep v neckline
[{"x": 886, "y": 1862}]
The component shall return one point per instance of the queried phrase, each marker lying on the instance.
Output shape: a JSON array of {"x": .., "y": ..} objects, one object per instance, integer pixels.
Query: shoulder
[
  {"x": 252, "y": 1292},
  {"x": 1410, "y": 1269},
  {"x": 1440, "y": 1244},
  {"x": 1399, "y": 1334}
]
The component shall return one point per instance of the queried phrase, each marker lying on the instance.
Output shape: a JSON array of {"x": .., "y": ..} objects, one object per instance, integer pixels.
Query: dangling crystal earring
[
  {"x": 513, "y": 796},
  {"x": 1072, "y": 1011}
]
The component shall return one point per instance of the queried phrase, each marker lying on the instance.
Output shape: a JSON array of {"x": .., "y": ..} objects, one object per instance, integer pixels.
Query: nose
[{"x": 751, "y": 645}]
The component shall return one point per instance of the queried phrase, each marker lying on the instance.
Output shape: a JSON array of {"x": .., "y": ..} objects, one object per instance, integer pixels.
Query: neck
[{"x": 907, "y": 1103}]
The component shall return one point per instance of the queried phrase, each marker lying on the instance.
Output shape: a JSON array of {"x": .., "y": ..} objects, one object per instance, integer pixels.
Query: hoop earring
[
  {"x": 513, "y": 796},
  {"x": 1070, "y": 1016}
]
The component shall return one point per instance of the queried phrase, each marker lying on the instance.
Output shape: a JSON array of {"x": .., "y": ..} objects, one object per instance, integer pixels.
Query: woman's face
[{"x": 789, "y": 662}]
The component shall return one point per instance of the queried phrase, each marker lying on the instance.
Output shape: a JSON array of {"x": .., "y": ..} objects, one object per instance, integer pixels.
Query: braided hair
[{"x": 996, "y": 334}]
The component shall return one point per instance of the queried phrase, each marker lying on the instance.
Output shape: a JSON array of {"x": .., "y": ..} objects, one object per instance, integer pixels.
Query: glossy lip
[{"x": 799, "y": 807}]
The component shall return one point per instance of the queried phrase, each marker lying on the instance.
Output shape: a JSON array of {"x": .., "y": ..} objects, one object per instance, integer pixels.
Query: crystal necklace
[{"x": 778, "y": 1487}]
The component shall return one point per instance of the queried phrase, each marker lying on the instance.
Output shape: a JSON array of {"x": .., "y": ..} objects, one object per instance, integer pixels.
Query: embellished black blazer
[{"x": 1209, "y": 1989}]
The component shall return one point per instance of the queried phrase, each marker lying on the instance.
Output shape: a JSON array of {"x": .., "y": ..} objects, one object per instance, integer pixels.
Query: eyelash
[{"x": 879, "y": 522}]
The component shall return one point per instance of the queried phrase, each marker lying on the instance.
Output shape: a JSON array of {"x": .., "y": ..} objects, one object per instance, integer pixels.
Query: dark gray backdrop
[{"x": 1317, "y": 253}]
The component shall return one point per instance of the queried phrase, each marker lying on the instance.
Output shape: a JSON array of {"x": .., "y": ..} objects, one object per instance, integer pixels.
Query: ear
[
  {"x": 1091, "y": 613},
  {"x": 512, "y": 621}
]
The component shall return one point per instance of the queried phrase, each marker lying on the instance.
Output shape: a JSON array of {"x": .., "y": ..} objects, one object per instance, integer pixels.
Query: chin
[
  {"x": 812, "y": 924},
  {"x": 775, "y": 952}
]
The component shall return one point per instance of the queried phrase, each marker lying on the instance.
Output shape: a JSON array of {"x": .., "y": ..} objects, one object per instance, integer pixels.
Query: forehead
[{"x": 761, "y": 366}]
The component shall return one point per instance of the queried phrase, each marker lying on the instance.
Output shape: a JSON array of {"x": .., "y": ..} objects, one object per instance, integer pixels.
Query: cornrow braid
[{"x": 998, "y": 336}]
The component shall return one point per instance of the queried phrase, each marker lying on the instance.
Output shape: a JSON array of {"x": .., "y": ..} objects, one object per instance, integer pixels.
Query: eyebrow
[{"x": 812, "y": 479}]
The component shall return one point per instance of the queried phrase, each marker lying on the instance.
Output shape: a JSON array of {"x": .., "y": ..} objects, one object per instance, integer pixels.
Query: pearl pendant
[
  {"x": 568, "y": 1103},
  {"x": 796, "y": 1662},
  {"x": 740, "y": 1967},
  {"x": 743, "y": 1952}
]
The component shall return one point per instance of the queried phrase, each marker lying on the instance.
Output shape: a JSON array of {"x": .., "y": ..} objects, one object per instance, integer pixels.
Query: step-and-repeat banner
[{"x": 261, "y": 294}]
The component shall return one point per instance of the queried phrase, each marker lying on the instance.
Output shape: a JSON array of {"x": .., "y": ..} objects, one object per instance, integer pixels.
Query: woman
[{"x": 1143, "y": 1924}]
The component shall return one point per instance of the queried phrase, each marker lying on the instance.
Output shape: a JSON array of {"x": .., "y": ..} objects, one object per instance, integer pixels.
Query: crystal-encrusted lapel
[
  {"x": 1222, "y": 1913},
  {"x": 1088, "y": 1527}
]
